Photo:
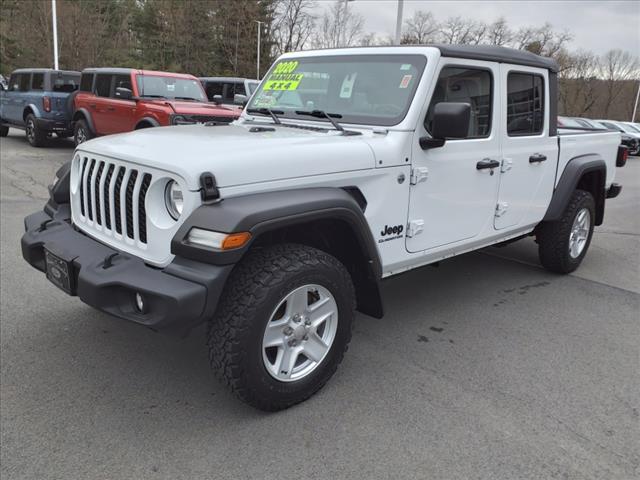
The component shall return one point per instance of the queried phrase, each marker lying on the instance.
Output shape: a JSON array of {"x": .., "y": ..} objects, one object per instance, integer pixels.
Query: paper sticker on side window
[{"x": 404, "y": 83}]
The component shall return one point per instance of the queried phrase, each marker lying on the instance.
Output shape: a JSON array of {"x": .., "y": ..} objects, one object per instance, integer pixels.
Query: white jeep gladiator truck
[{"x": 347, "y": 166}]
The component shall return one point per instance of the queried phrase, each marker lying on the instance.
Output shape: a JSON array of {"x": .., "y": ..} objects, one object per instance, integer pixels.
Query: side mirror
[
  {"x": 124, "y": 93},
  {"x": 217, "y": 99},
  {"x": 240, "y": 99},
  {"x": 450, "y": 120}
]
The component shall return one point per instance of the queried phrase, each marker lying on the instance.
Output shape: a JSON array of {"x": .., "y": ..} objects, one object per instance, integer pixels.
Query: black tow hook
[
  {"x": 108, "y": 260},
  {"x": 43, "y": 225}
]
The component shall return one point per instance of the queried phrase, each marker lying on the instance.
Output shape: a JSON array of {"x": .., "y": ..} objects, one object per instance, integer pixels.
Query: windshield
[
  {"x": 629, "y": 128},
  {"x": 365, "y": 89},
  {"x": 170, "y": 87}
]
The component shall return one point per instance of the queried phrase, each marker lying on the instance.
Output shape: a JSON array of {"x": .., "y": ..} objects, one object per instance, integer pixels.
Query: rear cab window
[
  {"x": 525, "y": 104},
  {"x": 37, "y": 81},
  {"x": 103, "y": 85},
  {"x": 65, "y": 82},
  {"x": 86, "y": 82}
]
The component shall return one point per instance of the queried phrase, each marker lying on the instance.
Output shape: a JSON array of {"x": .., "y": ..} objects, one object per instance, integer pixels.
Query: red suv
[{"x": 115, "y": 100}]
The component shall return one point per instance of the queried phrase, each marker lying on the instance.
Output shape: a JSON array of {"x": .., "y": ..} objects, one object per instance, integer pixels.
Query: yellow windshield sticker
[{"x": 283, "y": 77}]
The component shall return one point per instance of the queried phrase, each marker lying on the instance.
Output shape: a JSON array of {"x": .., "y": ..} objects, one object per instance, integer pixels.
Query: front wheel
[
  {"x": 283, "y": 325},
  {"x": 35, "y": 136},
  {"x": 562, "y": 244},
  {"x": 81, "y": 132}
]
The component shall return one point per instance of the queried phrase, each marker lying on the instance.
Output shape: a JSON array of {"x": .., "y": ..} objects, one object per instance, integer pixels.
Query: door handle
[
  {"x": 487, "y": 163},
  {"x": 537, "y": 158}
]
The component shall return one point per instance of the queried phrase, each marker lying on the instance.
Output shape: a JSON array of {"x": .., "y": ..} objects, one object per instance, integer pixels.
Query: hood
[
  {"x": 235, "y": 154},
  {"x": 199, "y": 108}
]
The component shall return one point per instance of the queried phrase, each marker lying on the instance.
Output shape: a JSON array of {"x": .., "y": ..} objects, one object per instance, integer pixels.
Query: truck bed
[{"x": 574, "y": 143}]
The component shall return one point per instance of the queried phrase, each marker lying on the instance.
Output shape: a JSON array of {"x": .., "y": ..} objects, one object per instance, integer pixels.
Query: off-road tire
[
  {"x": 81, "y": 132},
  {"x": 553, "y": 237},
  {"x": 4, "y": 130},
  {"x": 35, "y": 136},
  {"x": 254, "y": 289}
]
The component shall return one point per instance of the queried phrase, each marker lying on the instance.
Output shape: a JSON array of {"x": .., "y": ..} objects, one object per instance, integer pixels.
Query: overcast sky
[{"x": 596, "y": 25}]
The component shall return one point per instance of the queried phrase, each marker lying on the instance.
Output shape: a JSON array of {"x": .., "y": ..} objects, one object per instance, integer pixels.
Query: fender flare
[
  {"x": 575, "y": 169},
  {"x": 33, "y": 108},
  {"x": 151, "y": 120},
  {"x": 264, "y": 212},
  {"x": 83, "y": 112}
]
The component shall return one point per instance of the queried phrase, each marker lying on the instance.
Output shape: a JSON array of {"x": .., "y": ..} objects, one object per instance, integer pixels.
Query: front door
[
  {"x": 451, "y": 197},
  {"x": 529, "y": 153}
]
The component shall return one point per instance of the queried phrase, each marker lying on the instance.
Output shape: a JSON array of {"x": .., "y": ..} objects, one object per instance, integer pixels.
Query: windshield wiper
[
  {"x": 323, "y": 114},
  {"x": 267, "y": 111},
  {"x": 153, "y": 96},
  {"x": 187, "y": 98}
]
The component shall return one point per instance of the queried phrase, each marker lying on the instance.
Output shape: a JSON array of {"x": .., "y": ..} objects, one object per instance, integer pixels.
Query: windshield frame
[
  {"x": 140, "y": 87},
  {"x": 419, "y": 60}
]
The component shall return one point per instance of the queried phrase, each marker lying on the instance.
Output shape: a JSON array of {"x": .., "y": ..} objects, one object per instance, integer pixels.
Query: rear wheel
[
  {"x": 562, "y": 244},
  {"x": 282, "y": 326},
  {"x": 35, "y": 136},
  {"x": 4, "y": 130},
  {"x": 81, "y": 132}
]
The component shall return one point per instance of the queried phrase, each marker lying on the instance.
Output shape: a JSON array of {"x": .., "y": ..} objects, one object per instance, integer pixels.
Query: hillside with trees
[{"x": 219, "y": 37}]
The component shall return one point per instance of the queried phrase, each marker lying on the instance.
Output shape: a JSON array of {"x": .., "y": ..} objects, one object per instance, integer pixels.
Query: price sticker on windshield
[{"x": 283, "y": 77}]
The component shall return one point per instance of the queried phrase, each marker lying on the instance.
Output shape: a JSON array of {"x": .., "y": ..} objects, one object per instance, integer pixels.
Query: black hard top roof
[
  {"x": 492, "y": 53},
  {"x": 108, "y": 70}
]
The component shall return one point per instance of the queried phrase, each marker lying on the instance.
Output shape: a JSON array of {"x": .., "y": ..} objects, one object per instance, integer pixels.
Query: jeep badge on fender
[{"x": 277, "y": 262}]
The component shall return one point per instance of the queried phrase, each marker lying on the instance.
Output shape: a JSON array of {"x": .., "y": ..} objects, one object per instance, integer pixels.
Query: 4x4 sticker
[
  {"x": 391, "y": 233},
  {"x": 283, "y": 77}
]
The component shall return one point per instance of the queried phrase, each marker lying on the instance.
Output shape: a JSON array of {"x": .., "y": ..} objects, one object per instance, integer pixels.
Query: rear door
[
  {"x": 450, "y": 197},
  {"x": 120, "y": 112},
  {"x": 529, "y": 154},
  {"x": 100, "y": 105}
]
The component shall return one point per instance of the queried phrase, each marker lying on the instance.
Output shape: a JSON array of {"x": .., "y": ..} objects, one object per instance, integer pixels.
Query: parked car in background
[
  {"x": 629, "y": 137},
  {"x": 116, "y": 100},
  {"x": 38, "y": 100},
  {"x": 229, "y": 90}
]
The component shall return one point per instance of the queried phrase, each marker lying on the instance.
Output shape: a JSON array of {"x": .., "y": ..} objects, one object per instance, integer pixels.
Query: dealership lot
[{"x": 485, "y": 367}]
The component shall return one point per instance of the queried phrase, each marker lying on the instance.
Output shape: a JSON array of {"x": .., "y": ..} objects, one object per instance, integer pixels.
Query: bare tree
[
  {"x": 294, "y": 24},
  {"x": 579, "y": 83},
  {"x": 617, "y": 66},
  {"x": 420, "y": 29},
  {"x": 499, "y": 33},
  {"x": 457, "y": 30},
  {"x": 339, "y": 27}
]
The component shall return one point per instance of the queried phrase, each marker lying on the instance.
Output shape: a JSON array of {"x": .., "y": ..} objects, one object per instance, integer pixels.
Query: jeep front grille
[{"x": 113, "y": 196}]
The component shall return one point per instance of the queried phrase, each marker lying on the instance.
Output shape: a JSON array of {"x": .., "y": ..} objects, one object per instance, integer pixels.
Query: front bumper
[{"x": 177, "y": 297}]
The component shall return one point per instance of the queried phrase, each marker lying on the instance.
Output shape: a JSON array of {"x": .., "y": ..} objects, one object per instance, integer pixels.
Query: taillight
[
  {"x": 46, "y": 103},
  {"x": 623, "y": 154}
]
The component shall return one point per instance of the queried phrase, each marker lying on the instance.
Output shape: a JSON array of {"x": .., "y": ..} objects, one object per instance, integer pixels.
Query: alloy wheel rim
[
  {"x": 81, "y": 137},
  {"x": 30, "y": 129},
  {"x": 579, "y": 232},
  {"x": 300, "y": 333}
]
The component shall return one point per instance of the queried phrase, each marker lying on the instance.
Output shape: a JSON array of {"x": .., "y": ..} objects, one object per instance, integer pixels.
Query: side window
[
  {"x": 103, "y": 85},
  {"x": 14, "y": 82},
  {"x": 86, "y": 82},
  {"x": 122, "y": 81},
  {"x": 466, "y": 85},
  {"x": 214, "y": 88},
  {"x": 37, "y": 81},
  {"x": 240, "y": 90},
  {"x": 525, "y": 104},
  {"x": 25, "y": 79}
]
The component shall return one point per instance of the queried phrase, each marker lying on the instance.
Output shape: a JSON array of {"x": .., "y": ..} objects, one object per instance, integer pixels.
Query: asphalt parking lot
[{"x": 485, "y": 367}]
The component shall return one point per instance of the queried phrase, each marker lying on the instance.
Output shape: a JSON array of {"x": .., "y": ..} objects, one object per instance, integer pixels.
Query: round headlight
[{"x": 173, "y": 199}]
